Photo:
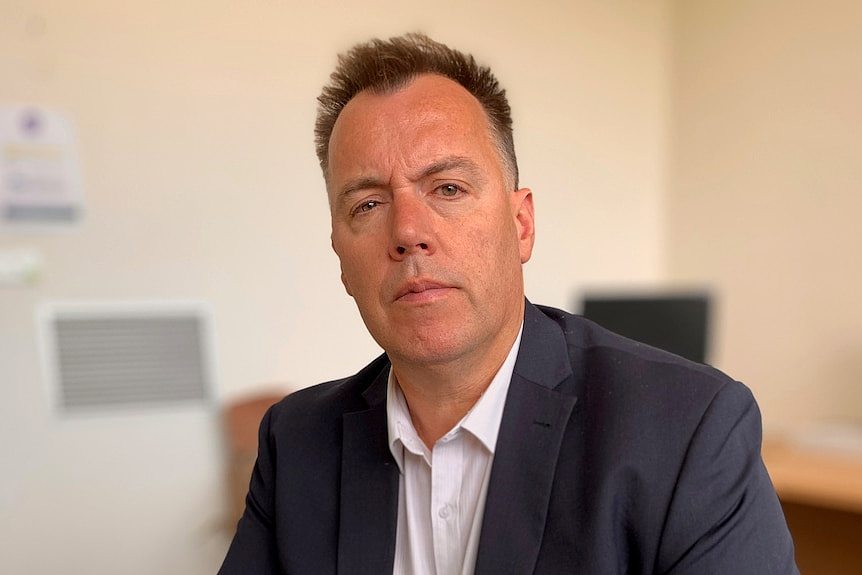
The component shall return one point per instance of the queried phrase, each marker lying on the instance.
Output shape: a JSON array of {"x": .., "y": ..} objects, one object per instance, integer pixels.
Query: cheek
[
  {"x": 491, "y": 238},
  {"x": 495, "y": 253},
  {"x": 484, "y": 251},
  {"x": 360, "y": 275}
]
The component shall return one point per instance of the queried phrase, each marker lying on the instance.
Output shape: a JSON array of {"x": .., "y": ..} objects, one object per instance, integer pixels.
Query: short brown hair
[{"x": 387, "y": 66}]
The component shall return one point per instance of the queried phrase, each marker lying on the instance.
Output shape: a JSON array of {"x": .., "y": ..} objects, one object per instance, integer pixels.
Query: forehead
[{"x": 429, "y": 118}]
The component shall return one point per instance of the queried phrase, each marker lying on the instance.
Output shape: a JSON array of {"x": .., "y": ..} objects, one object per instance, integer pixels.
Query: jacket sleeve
[
  {"x": 253, "y": 549},
  {"x": 725, "y": 516}
]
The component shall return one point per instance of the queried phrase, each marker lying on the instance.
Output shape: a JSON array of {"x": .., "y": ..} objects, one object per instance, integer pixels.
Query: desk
[
  {"x": 817, "y": 477},
  {"x": 821, "y": 493}
]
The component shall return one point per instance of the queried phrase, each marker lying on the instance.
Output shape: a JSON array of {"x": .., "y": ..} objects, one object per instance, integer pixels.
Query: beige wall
[
  {"x": 765, "y": 201},
  {"x": 700, "y": 142},
  {"x": 195, "y": 121}
]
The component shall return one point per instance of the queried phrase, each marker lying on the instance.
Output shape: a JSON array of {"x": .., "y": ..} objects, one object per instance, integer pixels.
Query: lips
[{"x": 421, "y": 290}]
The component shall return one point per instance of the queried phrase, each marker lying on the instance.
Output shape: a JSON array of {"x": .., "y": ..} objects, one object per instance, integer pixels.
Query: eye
[
  {"x": 365, "y": 206},
  {"x": 449, "y": 190}
]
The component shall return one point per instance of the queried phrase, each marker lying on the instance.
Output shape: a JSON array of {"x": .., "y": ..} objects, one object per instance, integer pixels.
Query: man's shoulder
[
  {"x": 608, "y": 363},
  {"x": 644, "y": 406},
  {"x": 318, "y": 405}
]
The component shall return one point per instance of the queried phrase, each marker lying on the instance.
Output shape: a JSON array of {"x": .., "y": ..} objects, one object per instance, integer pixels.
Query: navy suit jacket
[{"x": 612, "y": 457}]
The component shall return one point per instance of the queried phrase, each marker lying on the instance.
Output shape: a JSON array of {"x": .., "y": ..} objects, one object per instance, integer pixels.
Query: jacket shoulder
[
  {"x": 596, "y": 350},
  {"x": 317, "y": 406},
  {"x": 640, "y": 391}
]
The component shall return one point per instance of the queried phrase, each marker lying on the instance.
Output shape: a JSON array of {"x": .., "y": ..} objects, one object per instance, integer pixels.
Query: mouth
[{"x": 422, "y": 291}]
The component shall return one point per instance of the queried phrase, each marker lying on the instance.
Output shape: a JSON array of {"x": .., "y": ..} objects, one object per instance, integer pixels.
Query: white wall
[
  {"x": 195, "y": 127},
  {"x": 765, "y": 197}
]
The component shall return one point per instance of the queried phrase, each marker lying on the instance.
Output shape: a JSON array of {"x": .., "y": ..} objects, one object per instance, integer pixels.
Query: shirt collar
[
  {"x": 482, "y": 421},
  {"x": 402, "y": 434}
]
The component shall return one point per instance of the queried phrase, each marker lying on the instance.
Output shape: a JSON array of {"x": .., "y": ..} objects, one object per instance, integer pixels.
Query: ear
[
  {"x": 344, "y": 281},
  {"x": 522, "y": 210}
]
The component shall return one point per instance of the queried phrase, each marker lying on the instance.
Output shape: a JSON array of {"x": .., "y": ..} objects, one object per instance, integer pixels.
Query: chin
[{"x": 429, "y": 350}]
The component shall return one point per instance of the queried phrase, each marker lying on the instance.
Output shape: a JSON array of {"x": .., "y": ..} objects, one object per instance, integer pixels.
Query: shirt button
[{"x": 444, "y": 512}]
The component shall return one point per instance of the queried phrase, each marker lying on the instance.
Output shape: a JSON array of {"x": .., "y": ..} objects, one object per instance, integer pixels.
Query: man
[{"x": 493, "y": 436}]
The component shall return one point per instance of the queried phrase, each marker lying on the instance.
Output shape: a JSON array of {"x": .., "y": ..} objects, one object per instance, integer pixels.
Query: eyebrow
[
  {"x": 453, "y": 163},
  {"x": 360, "y": 183}
]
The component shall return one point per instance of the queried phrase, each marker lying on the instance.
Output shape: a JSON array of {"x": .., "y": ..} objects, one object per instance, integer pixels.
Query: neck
[{"x": 440, "y": 395}]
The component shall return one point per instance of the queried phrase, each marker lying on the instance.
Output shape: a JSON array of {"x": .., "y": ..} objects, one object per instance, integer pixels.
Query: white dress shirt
[{"x": 441, "y": 492}]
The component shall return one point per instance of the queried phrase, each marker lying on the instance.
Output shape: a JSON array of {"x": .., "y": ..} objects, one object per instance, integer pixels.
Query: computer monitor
[{"x": 675, "y": 323}]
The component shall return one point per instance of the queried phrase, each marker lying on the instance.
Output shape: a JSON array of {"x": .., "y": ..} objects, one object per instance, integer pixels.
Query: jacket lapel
[
  {"x": 367, "y": 528},
  {"x": 531, "y": 431}
]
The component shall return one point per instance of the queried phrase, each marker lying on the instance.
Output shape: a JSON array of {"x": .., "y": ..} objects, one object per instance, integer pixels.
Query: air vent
[{"x": 109, "y": 356}]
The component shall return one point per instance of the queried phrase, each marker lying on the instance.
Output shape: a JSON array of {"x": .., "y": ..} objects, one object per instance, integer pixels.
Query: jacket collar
[
  {"x": 369, "y": 487},
  {"x": 537, "y": 410}
]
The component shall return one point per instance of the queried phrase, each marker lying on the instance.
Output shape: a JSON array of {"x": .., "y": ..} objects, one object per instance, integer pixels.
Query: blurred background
[{"x": 671, "y": 145}]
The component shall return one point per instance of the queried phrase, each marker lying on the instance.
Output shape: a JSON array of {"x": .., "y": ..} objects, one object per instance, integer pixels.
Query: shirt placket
[{"x": 446, "y": 474}]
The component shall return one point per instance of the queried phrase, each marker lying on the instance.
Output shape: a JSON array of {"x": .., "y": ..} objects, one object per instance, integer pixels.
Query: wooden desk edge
[{"x": 821, "y": 478}]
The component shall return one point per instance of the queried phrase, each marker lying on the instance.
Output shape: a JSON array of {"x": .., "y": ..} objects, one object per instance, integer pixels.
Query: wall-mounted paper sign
[{"x": 40, "y": 178}]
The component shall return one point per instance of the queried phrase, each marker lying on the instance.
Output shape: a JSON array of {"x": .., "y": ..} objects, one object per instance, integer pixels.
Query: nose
[{"x": 411, "y": 225}]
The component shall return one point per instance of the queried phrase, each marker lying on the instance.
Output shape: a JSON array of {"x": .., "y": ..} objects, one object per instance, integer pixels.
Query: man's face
[{"x": 431, "y": 240}]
